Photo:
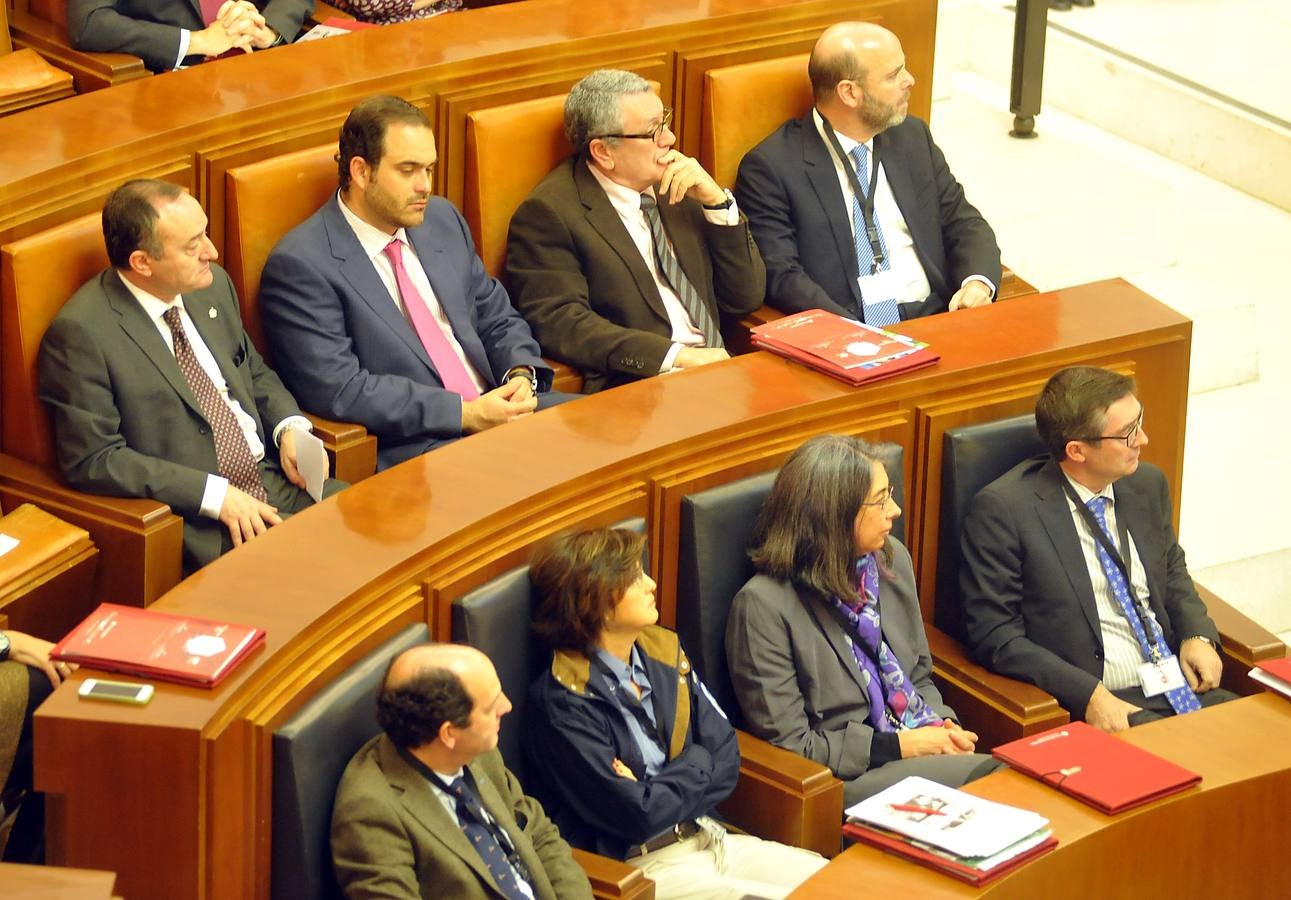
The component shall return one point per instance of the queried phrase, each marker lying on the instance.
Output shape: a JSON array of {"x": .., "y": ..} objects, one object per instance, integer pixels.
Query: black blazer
[
  {"x": 788, "y": 187},
  {"x": 1028, "y": 602}
]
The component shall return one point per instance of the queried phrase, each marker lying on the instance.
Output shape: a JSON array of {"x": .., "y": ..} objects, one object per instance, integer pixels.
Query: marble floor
[{"x": 1080, "y": 203}]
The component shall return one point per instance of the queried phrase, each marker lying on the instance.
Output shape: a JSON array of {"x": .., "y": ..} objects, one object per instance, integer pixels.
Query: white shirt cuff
[
  {"x": 213, "y": 497},
  {"x": 983, "y": 279},
  {"x": 291, "y": 422},
  {"x": 183, "y": 46},
  {"x": 728, "y": 216},
  {"x": 669, "y": 358}
]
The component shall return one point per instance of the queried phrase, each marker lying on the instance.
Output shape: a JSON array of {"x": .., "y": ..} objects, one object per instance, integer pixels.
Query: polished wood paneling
[{"x": 334, "y": 580}]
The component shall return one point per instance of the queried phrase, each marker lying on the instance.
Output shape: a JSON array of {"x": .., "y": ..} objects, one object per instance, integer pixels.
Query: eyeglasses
[
  {"x": 889, "y": 494},
  {"x": 652, "y": 134},
  {"x": 1130, "y": 438}
]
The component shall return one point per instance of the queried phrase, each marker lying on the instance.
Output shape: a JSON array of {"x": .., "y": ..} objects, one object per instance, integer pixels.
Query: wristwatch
[
  {"x": 1199, "y": 637},
  {"x": 4, "y": 646},
  {"x": 528, "y": 372},
  {"x": 714, "y": 207}
]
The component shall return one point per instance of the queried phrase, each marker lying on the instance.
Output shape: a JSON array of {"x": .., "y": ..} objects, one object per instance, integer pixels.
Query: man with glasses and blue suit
[
  {"x": 626, "y": 254},
  {"x": 1073, "y": 579}
]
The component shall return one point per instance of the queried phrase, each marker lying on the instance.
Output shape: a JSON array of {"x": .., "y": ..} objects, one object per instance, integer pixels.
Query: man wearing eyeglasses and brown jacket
[
  {"x": 624, "y": 257},
  {"x": 1072, "y": 577}
]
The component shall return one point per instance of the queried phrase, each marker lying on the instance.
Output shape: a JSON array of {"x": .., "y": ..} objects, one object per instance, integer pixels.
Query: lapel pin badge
[{"x": 211, "y": 312}]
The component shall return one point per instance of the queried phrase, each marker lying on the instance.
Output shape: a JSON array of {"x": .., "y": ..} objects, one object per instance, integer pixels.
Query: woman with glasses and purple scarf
[{"x": 825, "y": 645}]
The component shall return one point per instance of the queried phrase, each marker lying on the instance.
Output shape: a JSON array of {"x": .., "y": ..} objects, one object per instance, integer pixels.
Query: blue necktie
[
  {"x": 1182, "y": 699},
  {"x": 482, "y": 839},
  {"x": 879, "y": 311}
]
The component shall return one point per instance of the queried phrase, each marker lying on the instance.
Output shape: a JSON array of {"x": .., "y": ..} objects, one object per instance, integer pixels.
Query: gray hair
[{"x": 592, "y": 107}]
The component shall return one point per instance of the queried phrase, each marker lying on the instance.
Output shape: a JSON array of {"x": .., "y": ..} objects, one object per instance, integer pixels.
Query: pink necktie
[
  {"x": 210, "y": 10},
  {"x": 447, "y": 363}
]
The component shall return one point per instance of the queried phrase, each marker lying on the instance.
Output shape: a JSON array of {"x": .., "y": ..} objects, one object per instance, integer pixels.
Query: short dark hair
[
  {"x": 1073, "y": 405},
  {"x": 413, "y": 711},
  {"x": 827, "y": 68},
  {"x": 130, "y": 218},
  {"x": 363, "y": 134},
  {"x": 579, "y": 578},
  {"x": 806, "y": 530}
]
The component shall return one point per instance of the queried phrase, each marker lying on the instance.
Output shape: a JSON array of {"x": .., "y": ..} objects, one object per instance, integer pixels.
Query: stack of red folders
[
  {"x": 842, "y": 348},
  {"x": 184, "y": 649}
]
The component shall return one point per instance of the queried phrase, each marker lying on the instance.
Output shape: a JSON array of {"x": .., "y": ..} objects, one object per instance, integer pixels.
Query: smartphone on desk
[{"x": 115, "y": 691}]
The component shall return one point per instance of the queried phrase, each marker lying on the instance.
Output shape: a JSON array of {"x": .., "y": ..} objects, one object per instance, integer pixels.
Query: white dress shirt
[
  {"x": 627, "y": 203},
  {"x": 1121, "y": 653},
  {"x": 910, "y": 279},
  {"x": 373, "y": 241},
  {"x": 216, "y": 485}
]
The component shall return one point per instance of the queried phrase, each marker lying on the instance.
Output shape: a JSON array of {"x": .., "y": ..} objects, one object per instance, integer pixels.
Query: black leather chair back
[
  {"x": 713, "y": 564},
  {"x": 310, "y": 753},
  {"x": 494, "y": 619},
  {"x": 973, "y": 457}
]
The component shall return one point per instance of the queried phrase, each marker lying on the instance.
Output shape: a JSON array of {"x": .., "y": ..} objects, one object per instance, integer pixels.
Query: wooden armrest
[
  {"x": 351, "y": 449},
  {"x": 611, "y": 878},
  {"x": 90, "y": 71},
  {"x": 565, "y": 378},
  {"x": 1011, "y": 286},
  {"x": 140, "y": 541},
  {"x": 1000, "y": 709},
  {"x": 1245, "y": 642},
  {"x": 784, "y": 797},
  {"x": 735, "y": 329}
]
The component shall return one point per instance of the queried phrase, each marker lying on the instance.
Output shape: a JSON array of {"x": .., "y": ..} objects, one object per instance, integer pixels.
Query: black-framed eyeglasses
[
  {"x": 652, "y": 134},
  {"x": 1130, "y": 438},
  {"x": 889, "y": 494}
]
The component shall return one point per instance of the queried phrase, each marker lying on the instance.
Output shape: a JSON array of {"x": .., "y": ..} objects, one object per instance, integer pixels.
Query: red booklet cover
[
  {"x": 1274, "y": 674},
  {"x": 848, "y": 350},
  {"x": 1095, "y": 767},
  {"x": 185, "y": 649},
  {"x": 900, "y": 846}
]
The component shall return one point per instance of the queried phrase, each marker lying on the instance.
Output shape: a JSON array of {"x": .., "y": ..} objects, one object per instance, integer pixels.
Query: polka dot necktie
[
  {"x": 880, "y": 311},
  {"x": 481, "y": 836},
  {"x": 232, "y": 455},
  {"x": 1182, "y": 699}
]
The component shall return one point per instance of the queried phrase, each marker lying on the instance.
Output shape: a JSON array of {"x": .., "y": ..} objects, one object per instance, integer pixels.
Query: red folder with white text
[
  {"x": 185, "y": 649},
  {"x": 901, "y": 846},
  {"x": 1096, "y": 767},
  {"x": 843, "y": 348}
]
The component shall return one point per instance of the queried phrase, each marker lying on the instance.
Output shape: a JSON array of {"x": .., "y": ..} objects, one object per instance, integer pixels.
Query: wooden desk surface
[
  {"x": 1226, "y": 837},
  {"x": 54, "y": 883},
  {"x": 176, "y": 797}
]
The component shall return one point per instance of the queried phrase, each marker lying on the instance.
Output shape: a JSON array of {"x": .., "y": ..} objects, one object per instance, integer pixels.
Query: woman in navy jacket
[{"x": 626, "y": 747}]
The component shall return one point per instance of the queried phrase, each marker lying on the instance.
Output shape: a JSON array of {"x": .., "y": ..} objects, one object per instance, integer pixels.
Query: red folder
[
  {"x": 1274, "y": 674},
  {"x": 899, "y": 846},
  {"x": 1095, "y": 767},
  {"x": 849, "y": 351},
  {"x": 184, "y": 649}
]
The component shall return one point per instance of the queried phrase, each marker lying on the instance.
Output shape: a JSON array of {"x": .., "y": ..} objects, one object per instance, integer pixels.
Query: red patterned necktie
[{"x": 232, "y": 454}]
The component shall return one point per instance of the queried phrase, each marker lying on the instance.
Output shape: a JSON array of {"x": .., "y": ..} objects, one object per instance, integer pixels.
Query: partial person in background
[
  {"x": 853, "y": 205},
  {"x": 625, "y": 256},
  {"x": 627, "y": 748},
  {"x": 826, "y": 647},
  {"x": 27, "y": 677},
  {"x": 388, "y": 12},
  {"x": 176, "y": 33}
]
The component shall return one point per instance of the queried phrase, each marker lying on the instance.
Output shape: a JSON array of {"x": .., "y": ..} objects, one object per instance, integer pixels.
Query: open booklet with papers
[
  {"x": 1274, "y": 674},
  {"x": 968, "y": 837}
]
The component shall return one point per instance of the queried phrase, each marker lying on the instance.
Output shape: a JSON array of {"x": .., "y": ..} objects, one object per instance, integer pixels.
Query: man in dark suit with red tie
[
  {"x": 1072, "y": 577},
  {"x": 178, "y": 32},
  {"x": 380, "y": 312},
  {"x": 853, "y": 205},
  {"x": 157, "y": 391}
]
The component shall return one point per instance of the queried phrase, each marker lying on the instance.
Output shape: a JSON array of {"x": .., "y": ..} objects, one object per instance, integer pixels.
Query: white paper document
[
  {"x": 944, "y": 817},
  {"x": 7, "y": 543},
  {"x": 311, "y": 459}
]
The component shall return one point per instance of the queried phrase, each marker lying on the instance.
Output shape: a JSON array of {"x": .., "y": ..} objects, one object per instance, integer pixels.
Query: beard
[{"x": 881, "y": 116}]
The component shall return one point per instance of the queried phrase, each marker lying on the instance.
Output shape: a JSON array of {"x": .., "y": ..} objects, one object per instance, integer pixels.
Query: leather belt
[{"x": 678, "y": 833}]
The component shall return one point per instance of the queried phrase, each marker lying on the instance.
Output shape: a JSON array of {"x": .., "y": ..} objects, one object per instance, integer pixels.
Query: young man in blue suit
[
  {"x": 853, "y": 205},
  {"x": 380, "y": 312}
]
